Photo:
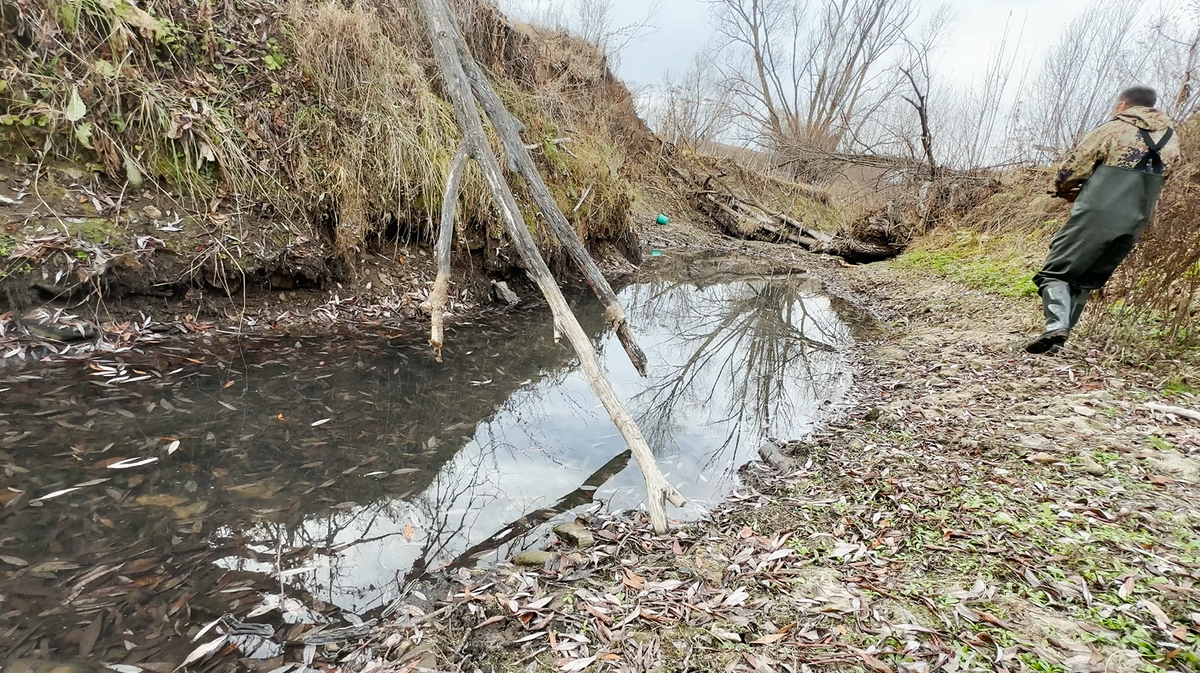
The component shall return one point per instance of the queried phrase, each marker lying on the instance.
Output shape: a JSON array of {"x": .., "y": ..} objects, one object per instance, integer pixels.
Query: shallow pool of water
[{"x": 346, "y": 466}]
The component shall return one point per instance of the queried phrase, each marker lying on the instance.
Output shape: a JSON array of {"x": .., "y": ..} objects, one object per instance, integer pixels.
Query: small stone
[
  {"x": 534, "y": 559},
  {"x": 771, "y": 455},
  {"x": 575, "y": 533},
  {"x": 35, "y": 325},
  {"x": 725, "y": 634},
  {"x": 152, "y": 212},
  {"x": 500, "y": 289},
  {"x": 1093, "y": 468},
  {"x": 1042, "y": 458}
]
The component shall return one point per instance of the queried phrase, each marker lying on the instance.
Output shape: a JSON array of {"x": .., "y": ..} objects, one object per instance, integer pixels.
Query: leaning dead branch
[
  {"x": 509, "y": 129},
  {"x": 436, "y": 303},
  {"x": 442, "y": 33}
]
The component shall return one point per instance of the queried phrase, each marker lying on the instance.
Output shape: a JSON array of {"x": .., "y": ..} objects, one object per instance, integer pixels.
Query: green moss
[
  {"x": 1160, "y": 443},
  {"x": 93, "y": 229},
  {"x": 1001, "y": 265}
]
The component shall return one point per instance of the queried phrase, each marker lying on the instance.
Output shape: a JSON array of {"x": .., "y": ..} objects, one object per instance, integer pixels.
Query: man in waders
[{"x": 1113, "y": 178}]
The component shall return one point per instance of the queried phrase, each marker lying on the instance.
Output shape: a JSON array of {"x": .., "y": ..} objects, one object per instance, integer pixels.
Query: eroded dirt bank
[{"x": 977, "y": 509}]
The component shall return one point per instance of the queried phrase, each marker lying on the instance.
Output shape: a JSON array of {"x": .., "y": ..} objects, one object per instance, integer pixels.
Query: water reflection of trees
[
  {"x": 754, "y": 356},
  {"x": 757, "y": 355}
]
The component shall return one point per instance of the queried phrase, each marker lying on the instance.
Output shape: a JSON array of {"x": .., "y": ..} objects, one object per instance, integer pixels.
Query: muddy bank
[
  {"x": 89, "y": 267},
  {"x": 978, "y": 509}
]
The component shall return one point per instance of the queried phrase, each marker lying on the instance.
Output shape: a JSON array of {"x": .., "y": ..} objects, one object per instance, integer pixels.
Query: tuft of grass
[
  {"x": 1000, "y": 265},
  {"x": 1177, "y": 386}
]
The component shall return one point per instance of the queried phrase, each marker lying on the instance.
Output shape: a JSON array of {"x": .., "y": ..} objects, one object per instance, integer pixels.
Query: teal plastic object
[
  {"x": 663, "y": 219},
  {"x": 656, "y": 253}
]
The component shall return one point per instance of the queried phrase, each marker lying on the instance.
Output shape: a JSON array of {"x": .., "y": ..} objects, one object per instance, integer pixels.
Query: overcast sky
[{"x": 684, "y": 29}]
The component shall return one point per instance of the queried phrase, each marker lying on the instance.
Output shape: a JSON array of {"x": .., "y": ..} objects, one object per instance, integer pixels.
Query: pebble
[
  {"x": 81, "y": 331},
  {"x": 1093, "y": 468},
  {"x": 534, "y": 559},
  {"x": 575, "y": 533}
]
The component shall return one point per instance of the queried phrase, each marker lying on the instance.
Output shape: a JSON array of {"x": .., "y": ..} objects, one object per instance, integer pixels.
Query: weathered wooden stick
[
  {"x": 441, "y": 30},
  {"x": 436, "y": 303},
  {"x": 1181, "y": 412},
  {"x": 509, "y": 129}
]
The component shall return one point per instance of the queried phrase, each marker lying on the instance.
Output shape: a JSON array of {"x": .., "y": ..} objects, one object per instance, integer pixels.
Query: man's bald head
[{"x": 1138, "y": 96}]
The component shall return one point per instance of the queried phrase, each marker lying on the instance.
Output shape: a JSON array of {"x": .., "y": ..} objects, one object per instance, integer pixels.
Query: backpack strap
[{"x": 1153, "y": 159}]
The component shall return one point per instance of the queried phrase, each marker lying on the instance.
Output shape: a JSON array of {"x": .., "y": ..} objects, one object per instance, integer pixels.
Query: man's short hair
[{"x": 1139, "y": 96}]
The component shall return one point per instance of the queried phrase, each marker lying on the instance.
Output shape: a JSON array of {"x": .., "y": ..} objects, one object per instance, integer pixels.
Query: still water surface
[{"x": 345, "y": 467}]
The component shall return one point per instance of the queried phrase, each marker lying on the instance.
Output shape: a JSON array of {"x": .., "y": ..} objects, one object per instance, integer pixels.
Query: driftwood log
[
  {"x": 744, "y": 218},
  {"x": 436, "y": 303},
  {"x": 445, "y": 36}
]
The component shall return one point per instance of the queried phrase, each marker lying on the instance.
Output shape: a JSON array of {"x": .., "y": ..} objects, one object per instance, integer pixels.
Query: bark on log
[
  {"x": 441, "y": 32},
  {"x": 747, "y": 219},
  {"x": 509, "y": 129},
  {"x": 436, "y": 303}
]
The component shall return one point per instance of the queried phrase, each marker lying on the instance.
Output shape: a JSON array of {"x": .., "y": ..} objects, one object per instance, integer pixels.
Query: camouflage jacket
[{"x": 1118, "y": 143}]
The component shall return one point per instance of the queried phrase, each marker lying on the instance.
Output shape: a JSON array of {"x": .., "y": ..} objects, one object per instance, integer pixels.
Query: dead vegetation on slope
[{"x": 288, "y": 134}]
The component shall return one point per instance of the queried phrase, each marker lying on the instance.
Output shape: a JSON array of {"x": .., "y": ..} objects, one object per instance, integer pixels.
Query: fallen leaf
[
  {"x": 54, "y": 567},
  {"x": 409, "y": 532},
  {"x": 55, "y": 494},
  {"x": 1159, "y": 480},
  {"x": 874, "y": 663},
  {"x": 203, "y": 651},
  {"x": 14, "y": 560},
  {"x": 189, "y": 511},
  {"x": 1127, "y": 587},
  {"x": 323, "y": 421},
  {"x": 131, "y": 462},
  {"x": 160, "y": 500},
  {"x": 768, "y": 639},
  {"x": 966, "y": 613},
  {"x": 90, "y": 635},
  {"x": 635, "y": 582},
  {"x": 578, "y": 664}
]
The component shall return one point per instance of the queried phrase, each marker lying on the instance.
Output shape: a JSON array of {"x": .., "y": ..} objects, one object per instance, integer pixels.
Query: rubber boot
[
  {"x": 1079, "y": 297},
  {"x": 1056, "y": 305}
]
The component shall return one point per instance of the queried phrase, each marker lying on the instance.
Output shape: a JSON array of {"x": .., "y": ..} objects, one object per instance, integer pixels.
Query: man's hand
[{"x": 1069, "y": 196}]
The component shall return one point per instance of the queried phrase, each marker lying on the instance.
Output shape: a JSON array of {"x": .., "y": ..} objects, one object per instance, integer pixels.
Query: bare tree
[
  {"x": 1083, "y": 71},
  {"x": 988, "y": 102},
  {"x": 917, "y": 69},
  {"x": 1174, "y": 42},
  {"x": 591, "y": 20},
  {"x": 694, "y": 108},
  {"x": 803, "y": 76}
]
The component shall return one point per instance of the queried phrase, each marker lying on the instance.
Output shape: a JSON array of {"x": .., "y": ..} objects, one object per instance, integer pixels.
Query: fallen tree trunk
[
  {"x": 442, "y": 31},
  {"x": 744, "y": 218}
]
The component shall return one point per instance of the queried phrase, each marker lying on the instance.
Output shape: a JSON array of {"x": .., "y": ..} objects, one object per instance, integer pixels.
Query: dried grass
[{"x": 327, "y": 117}]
